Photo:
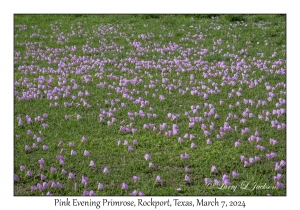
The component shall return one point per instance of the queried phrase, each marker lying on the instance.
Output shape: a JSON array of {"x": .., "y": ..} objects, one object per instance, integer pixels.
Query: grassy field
[{"x": 150, "y": 104}]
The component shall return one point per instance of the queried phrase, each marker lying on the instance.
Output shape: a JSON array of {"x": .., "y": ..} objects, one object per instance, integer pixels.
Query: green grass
[{"x": 234, "y": 30}]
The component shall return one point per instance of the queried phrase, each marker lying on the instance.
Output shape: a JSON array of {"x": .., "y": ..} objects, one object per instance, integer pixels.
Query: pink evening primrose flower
[
  {"x": 71, "y": 176},
  {"x": 105, "y": 170},
  {"x": 246, "y": 164},
  {"x": 41, "y": 161},
  {"x": 73, "y": 153},
  {"x": 252, "y": 160},
  {"x": 273, "y": 154},
  {"x": 29, "y": 173},
  {"x": 207, "y": 181},
  {"x": 158, "y": 179},
  {"x": 273, "y": 141},
  {"x": 282, "y": 163},
  {"x": 277, "y": 177},
  {"x": 126, "y": 143},
  {"x": 279, "y": 185},
  {"x": 187, "y": 178},
  {"x": 43, "y": 177},
  {"x": 52, "y": 169},
  {"x": 130, "y": 148},
  {"x": 243, "y": 158},
  {"x": 147, "y": 156},
  {"x": 180, "y": 140},
  {"x": 237, "y": 143},
  {"x": 226, "y": 182},
  {"x": 16, "y": 178},
  {"x": 234, "y": 174},
  {"x": 193, "y": 145},
  {"x": 86, "y": 153},
  {"x": 214, "y": 169},
  {"x": 92, "y": 164},
  {"x": 39, "y": 139},
  {"x": 83, "y": 139},
  {"x": 216, "y": 182},
  {"x": 192, "y": 137},
  {"x": 257, "y": 158},
  {"x": 133, "y": 193},
  {"x": 27, "y": 147},
  {"x": 277, "y": 167},
  {"x": 124, "y": 186},
  {"x": 100, "y": 186},
  {"x": 63, "y": 171},
  {"x": 135, "y": 178},
  {"x": 34, "y": 145}
]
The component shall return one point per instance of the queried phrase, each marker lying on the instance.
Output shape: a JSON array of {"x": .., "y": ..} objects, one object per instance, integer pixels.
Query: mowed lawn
[{"x": 150, "y": 105}]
